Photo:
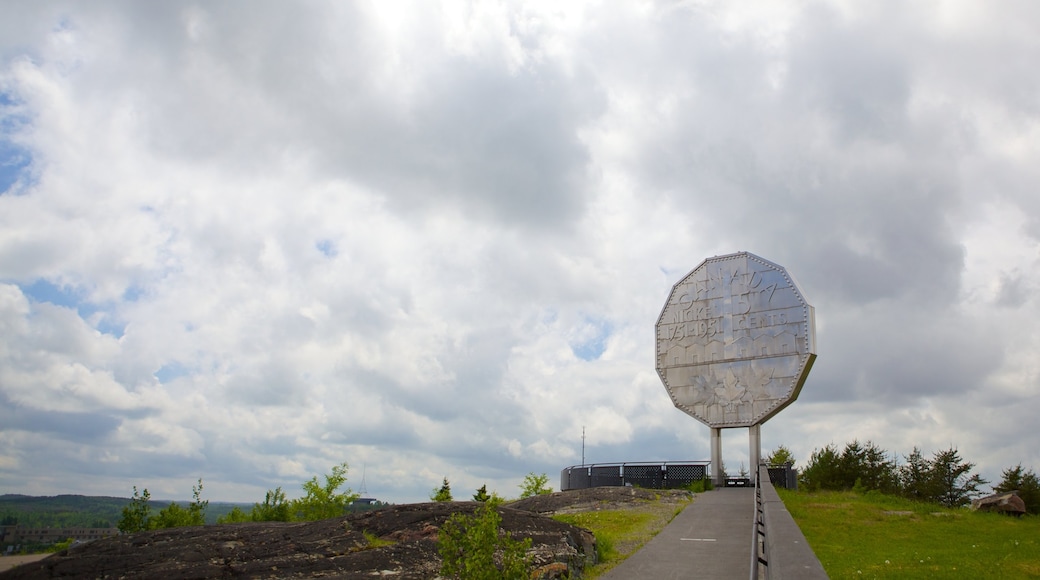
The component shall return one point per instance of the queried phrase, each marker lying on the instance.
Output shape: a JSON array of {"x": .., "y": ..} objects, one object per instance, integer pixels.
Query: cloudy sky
[{"x": 247, "y": 241}]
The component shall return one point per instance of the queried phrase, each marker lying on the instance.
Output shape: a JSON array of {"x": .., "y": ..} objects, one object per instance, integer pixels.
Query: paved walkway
[
  {"x": 711, "y": 538},
  {"x": 8, "y": 562}
]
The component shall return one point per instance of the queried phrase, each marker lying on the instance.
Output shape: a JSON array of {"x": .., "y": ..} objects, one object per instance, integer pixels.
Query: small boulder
[{"x": 1006, "y": 503}]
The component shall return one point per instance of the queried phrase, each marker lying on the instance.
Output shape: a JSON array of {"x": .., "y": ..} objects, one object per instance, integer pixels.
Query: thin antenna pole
[{"x": 583, "y": 445}]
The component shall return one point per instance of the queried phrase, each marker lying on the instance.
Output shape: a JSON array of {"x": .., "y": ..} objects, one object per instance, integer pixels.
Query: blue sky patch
[
  {"x": 592, "y": 347},
  {"x": 43, "y": 291},
  {"x": 14, "y": 160},
  {"x": 108, "y": 326},
  {"x": 133, "y": 293},
  {"x": 171, "y": 371},
  {"x": 327, "y": 248},
  {"x": 13, "y": 164}
]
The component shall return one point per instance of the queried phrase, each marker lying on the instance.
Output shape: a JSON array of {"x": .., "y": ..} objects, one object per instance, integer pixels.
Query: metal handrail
[
  {"x": 781, "y": 550},
  {"x": 757, "y": 556}
]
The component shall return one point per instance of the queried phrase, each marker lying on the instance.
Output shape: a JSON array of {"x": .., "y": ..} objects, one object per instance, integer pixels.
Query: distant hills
[
  {"x": 98, "y": 511},
  {"x": 83, "y": 511}
]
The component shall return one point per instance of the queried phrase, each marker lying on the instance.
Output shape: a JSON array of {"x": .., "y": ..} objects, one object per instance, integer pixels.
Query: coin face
[{"x": 735, "y": 341}]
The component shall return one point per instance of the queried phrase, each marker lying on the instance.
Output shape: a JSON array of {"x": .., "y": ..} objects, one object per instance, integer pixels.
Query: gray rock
[
  {"x": 1008, "y": 503},
  {"x": 335, "y": 548}
]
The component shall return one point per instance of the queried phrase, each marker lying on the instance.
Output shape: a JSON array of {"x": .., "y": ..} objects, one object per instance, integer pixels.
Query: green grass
[
  {"x": 621, "y": 532},
  {"x": 373, "y": 541},
  {"x": 700, "y": 486},
  {"x": 876, "y": 536},
  {"x": 611, "y": 527}
]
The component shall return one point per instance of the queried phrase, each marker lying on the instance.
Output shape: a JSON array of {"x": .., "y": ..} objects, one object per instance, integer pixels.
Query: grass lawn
[
  {"x": 876, "y": 536},
  {"x": 620, "y": 532}
]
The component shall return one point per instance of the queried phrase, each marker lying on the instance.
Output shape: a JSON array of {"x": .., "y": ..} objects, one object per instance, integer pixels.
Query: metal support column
[
  {"x": 754, "y": 450},
  {"x": 718, "y": 479}
]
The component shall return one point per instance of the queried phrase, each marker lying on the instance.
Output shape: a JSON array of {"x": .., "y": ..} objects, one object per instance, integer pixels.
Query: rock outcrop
[{"x": 392, "y": 542}]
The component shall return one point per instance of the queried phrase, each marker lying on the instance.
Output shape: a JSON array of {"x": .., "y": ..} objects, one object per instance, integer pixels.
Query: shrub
[
  {"x": 469, "y": 546},
  {"x": 174, "y": 516},
  {"x": 780, "y": 456},
  {"x": 235, "y": 516},
  {"x": 700, "y": 486},
  {"x": 59, "y": 546},
  {"x": 274, "y": 509},
  {"x": 534, "y": 485},
  {"x": 321, "y": 502},
  {"x": 136, "y": 514}
]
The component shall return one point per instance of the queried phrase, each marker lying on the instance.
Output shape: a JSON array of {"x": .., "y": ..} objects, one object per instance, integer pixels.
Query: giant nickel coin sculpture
[{"x": 735, "y": 342}]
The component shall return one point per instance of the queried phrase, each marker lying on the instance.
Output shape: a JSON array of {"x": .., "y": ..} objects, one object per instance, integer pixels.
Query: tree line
[
  {"x": 944, "y": 478},
  {"x": 320, "y": 501},
  {"x": 62, "y": 511},
  {"x": 532, "y": 485}
]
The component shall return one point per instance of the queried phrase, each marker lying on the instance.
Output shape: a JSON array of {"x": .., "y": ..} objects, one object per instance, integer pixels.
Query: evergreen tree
[
  {"x": 1025, "y": 483},
  {"x": 823, "y": 470},
  {"x": 951, "y": 477},
  {"x": 442, "y": 494},
  {"x": 850, "y": 465},
  {"x": 914, "y": 477},
  {"x": 482, "y": 494},
  {"x": 877, "y": 471},
  {"x": 860, "y": 466}
]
